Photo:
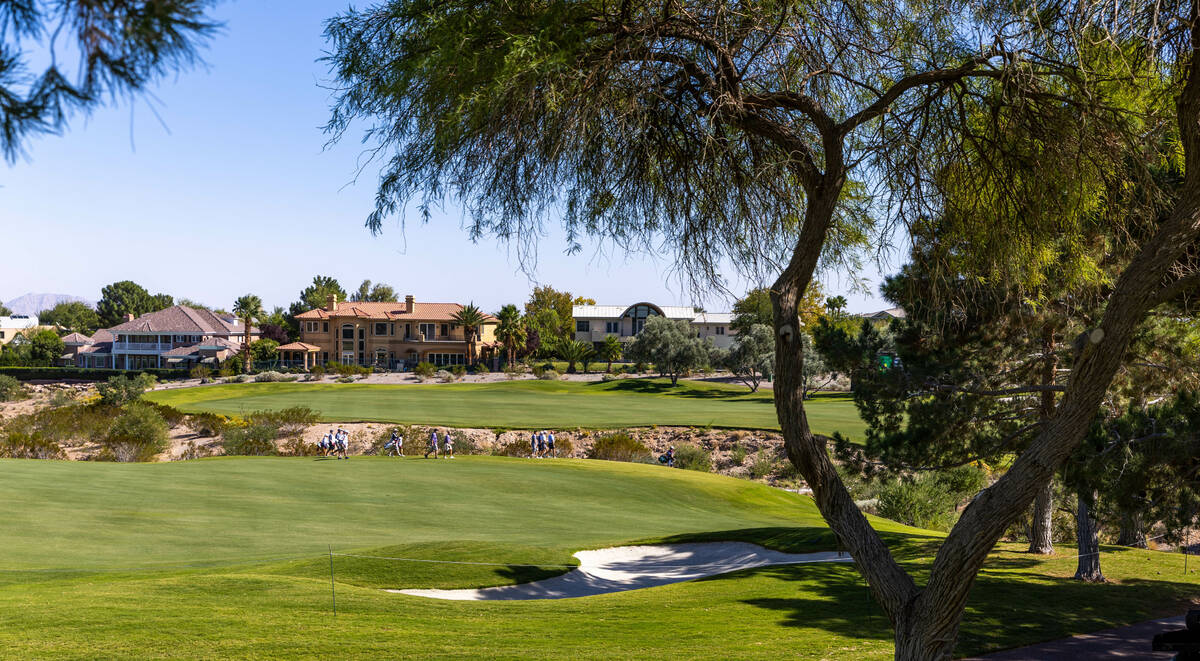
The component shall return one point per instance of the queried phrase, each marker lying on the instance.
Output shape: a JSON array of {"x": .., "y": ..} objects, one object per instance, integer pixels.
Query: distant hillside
[{"x": 35, "y": 303}]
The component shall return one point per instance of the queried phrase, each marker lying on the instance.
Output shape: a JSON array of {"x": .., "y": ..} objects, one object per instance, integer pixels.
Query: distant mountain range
[{"x": 31, "y": 304}]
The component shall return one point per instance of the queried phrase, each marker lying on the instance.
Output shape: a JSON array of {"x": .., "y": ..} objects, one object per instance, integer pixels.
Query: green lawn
[
  {"x": 524, "y": 404},
  {"x": 226, "y": 558}
]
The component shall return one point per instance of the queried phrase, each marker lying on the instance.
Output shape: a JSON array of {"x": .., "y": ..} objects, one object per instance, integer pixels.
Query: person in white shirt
[
  {"x": 448, "y": 446},
  {"x": 343, "y": 437},
  {"x": 395, "y": 447}
]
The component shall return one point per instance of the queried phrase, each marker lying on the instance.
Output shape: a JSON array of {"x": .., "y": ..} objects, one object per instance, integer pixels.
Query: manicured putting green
[{"x": 524, "y": 404}]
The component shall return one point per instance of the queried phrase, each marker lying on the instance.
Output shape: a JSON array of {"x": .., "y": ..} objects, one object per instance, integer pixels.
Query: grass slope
[
  {"x": 75, "y": 532},
  {"x": 523, "y": 404}
]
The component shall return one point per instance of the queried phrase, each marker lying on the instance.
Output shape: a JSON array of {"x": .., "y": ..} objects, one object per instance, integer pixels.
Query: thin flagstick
[{"x": 332, "y": 590}]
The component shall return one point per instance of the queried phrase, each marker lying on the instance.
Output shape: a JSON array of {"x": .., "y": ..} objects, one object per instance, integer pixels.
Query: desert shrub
[
  {"x": 225, "y": 372},
  {"x": 537, "y": 371},
  {"x": 737, "y": 454},
  {"x": 608, "y": 376},
  {"x": 298, "y": 447},
  {"x": 137, "y": 434},
  {"x": 446, "y": 376},
  {"x": 459, "y": 370},
  {"x": 20, "y": 445},
  {"x": 63, "y": 398},
  {"x": 172, "y": 415},
  {"x": 563, "y": 446},
  {"x": 425, "y": 370},
  {"x": 345, "y": 379},
  {"x": 480, "y": 368},
  {"x": 762, "y": 465},
  {"x": 274, "y": 377},
  {"x": 317, "y": 372},
  {"x": 121, "y": 390},
  {"x": 10, "y": 388},
  {"x": 254, "y": 440},
  {"x": 619, "y": 446},
  {"x": 411, "y": 435},
  {"x": 548, "y": 375},
  {"x": 512, "y": 449},
  {"x": 207, "y": 424},
  {"x": 693, "y": 457},
  {"x": 286, "y": 422},
  {"x": 193, "y": 451},
  {"x": 930, "y": 500},
  {"x": 201, "y": 372}
]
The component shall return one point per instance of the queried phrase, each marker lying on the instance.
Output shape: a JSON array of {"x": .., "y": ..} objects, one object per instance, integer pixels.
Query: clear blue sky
[{"x": 234, "y": 192}]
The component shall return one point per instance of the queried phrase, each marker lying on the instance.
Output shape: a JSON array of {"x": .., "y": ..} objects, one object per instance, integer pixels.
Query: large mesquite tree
[{"x": 727, "y": 133}]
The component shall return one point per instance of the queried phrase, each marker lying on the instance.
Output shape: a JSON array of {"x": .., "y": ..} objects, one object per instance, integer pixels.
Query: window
[
  {"x": 427, "y": 331},
  {"x": 442, "y": 359},
  {"x": 1, "y": 335},
  {"x": 445, "y": 330},
  {"x": 324, "y": 356},
  {"x": 381, "y": 328},
  {"x": 407, "y": 331},
  {"x": 720, "y": 330},
  {"x": 362, "y": 333},
  {"x": 347, "y": 331},
  {"x": 612, "y": 327},
  {"x": 325, "y": 327},
  {"x": 583, "y": 326}
]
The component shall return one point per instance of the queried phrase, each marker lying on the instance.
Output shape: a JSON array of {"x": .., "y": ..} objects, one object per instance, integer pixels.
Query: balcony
[{"x": 142, "y": 346}]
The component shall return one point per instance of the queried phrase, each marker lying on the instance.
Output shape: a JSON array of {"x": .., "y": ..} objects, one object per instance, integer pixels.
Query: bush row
[{"x": 83, "y": 374}]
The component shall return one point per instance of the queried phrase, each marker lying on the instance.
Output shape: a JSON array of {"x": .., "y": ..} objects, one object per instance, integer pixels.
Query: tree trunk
[
  {"x": 1088, "y": 567},
  {"x": 1040, "y": 531},
  {"x": 1132, "y": 531}
]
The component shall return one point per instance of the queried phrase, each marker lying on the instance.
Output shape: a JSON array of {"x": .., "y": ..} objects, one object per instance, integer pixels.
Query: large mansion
[
  {"x": 174, "y": 337},
  {"x": 386, "y": 334},
  {"x": 593, "y": 323}
]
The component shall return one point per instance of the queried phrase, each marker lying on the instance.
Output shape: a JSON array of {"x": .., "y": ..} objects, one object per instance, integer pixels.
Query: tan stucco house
[{"x": 390, "y": 334}]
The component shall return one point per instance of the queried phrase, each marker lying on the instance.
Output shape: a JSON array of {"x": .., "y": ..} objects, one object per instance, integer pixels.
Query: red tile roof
[
  {"x": 299, "y": 346},
  {"x": 179, "y": 319},
  {"x": 390, "y": 311}
]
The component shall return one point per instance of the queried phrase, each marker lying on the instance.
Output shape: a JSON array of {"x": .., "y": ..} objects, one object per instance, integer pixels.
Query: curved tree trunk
[
  {"x": 1086, "y": 526},
  {"x": 1041, "y": 529}
]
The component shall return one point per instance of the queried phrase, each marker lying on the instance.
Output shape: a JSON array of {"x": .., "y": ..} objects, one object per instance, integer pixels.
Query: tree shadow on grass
[
  {"x": 527, "y": 574},
  {"x": 659, "y": 387}
]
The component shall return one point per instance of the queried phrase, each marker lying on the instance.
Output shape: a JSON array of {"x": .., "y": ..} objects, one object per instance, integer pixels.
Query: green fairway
[
  {"x": 228, "y": 558},
  {"x": 523, "y": 404}
]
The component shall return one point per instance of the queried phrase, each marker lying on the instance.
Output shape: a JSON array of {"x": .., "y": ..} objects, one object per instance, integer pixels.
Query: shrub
[
  {"x": 640, "y": 368},
  {"x": 412, "y": 438},
  {"x": 207, "y": 424},
  {"x": 121, "y": 390},
  {"x": 608, "y": 376},
  {"x": 291, "y": 421},
  {"x": 82, "y": 373},
  {"x": 254, "y": 440},
  {"x": 19, "y": 445},
  {"x": 480, "y": 368},
  {"x": 273, "y": 377},
  {"x": 563, "y": 446},
  {"x": 922, "y": 503},
  {"x": 345, "y": 379},
  {"x": 737, "y": 454},
  {"x": 138, "y": 434},
  {"x": 297, "y": 447},
  {"x": 225, "y": 372},
  {"x": 459, "y": 370},
  {"x": 446, "y": 377},
  {"x": 316, "y": 372},
  {"x": 762, "y": 465},
  {"x": 173, "y": 416},
  {"x": 424, "y": 371},
  {"x": 62, "y": 398},
  {"x": 10, "y": 388},
  {"x": 549, "y": 375},
  {"x": 538, "y": 371},
  {"x": 512, "y": 449},
  {"x": 693, "y": 457},
  {"x": 201, "y": 372},
  {"x": 619, "y": 446}
]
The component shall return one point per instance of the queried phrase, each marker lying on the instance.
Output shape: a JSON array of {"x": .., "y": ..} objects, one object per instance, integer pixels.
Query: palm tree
[
  {"x": 836, "y": 304},
  {"x": 574, "y": 351},
  {"x": 610, "y": 350},
  {"x": 510, "y": 331},
  {"x": 247, "y": 308},
  {"x": 470, "y": 318}
]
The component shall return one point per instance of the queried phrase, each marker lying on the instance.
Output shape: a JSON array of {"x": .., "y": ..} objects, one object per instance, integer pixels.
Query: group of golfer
[
  {"x": 334, "y": 443},
  {"x": 541, "y": 444}
]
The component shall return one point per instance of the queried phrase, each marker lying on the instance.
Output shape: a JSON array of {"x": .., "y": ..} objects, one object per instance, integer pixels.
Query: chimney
[
  {"x": 333, "y": 302},
  {"x": 129, "y": 316},
  {"x": 409, "y": 304}
]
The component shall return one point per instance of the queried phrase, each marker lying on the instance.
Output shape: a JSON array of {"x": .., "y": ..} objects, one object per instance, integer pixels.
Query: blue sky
[{"x": 230, "y": 189}]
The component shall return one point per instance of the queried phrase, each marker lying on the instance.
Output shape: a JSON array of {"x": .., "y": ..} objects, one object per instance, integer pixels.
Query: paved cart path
[{"x": 1131, "y": 642}]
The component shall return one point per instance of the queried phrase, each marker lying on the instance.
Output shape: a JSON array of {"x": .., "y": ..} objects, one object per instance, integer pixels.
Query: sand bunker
[{"x": 635, "y": 567}]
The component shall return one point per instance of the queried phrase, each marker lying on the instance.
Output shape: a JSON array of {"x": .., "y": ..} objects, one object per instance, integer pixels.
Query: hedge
[{"x": 83, "y": 374}]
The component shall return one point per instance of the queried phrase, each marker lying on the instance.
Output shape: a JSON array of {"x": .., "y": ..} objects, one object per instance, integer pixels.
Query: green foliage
[
  {"x": 313, "y": 297},
  {"x": 10, "y": 388},
  {"x": 23, "y": 445},
  {"x": 32, "y": 348},
  {"x": 264, "y": 350},
  {"x": 72, "y": 316},
  {"x": 122, "y": 49},
  {"x": 201, "y": 372},
  {"x": 610, "y": 350},
  {"x": 459, "y": 371},
  {"x": 511, "y": 332},
  {"x": 139, "y": 433},
  {"x": 762, "y": 465},
  {"x": 573, "y": 352},
  {"x": 548, "y": 314},
  {"x": 672, "y": 346},
  {"x": 471, "y": 318},
  {"x": 425, "y": 370},
  {"x": 207, "y": 424},
  {"x": 377, "y": 293},
  {"x": 929, "y": 500},
  {"x": 619, "y": 446},
  {"x": 752, "y": 357},
  {"x": 737, "y": 454},
  {"x": 121, "y": 389},
  {"x": 693, "y": 457},
  {"x": 251, "y": 441},
  {"x": 127, "y": 297},
  {"x": 546, "y": 375}
]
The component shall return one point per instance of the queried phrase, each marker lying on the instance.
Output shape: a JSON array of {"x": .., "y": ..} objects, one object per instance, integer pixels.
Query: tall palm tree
[
  {"x": 510, "y": 331},
  {"x": 248, "y": 308},
  {"x": 470, "y": 318}
]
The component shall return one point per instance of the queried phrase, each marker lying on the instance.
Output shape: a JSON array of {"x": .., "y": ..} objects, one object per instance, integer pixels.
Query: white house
[{"x": 593, "y": 323}]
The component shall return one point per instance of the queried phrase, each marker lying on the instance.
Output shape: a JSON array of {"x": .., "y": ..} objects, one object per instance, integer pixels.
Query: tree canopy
[
  {"x": 120, "y": 47},
  {"x": 128, "y": 297},
  {"x": 72, "y": 316},
  {"x": 377, "y": 292}
]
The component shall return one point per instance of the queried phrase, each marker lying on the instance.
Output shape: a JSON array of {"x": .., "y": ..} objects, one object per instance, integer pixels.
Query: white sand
[{"x": 634, "y": 567}]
